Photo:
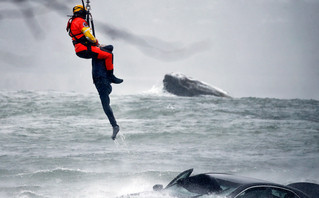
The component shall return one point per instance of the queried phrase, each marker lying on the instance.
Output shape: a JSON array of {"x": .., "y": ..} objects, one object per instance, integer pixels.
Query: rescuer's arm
[{"x": 88, "y": 35}]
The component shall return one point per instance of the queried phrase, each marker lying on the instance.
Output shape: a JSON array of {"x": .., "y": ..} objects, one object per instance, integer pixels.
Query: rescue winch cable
[{"x": 89, "y": 17}]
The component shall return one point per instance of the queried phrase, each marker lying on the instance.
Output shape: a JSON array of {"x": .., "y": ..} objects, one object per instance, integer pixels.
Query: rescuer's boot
[{"x": 112, "y": 78}]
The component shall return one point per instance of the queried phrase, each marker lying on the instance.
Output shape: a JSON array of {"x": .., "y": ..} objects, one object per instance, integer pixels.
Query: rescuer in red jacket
[{"x": 87, "y": 46}]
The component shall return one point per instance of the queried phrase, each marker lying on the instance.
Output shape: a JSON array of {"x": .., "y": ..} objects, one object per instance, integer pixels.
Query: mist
[{"x": 249, "y": 49}]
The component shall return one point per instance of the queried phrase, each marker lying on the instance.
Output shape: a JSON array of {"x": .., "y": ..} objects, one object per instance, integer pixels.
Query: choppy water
[{"x": 56, "y": 144}]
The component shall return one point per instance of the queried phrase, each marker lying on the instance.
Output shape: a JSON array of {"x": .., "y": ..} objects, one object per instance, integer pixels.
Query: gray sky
[{"x": 258, "y": 48}]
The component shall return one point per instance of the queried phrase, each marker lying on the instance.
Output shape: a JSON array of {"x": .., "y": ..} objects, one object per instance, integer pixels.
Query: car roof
[{"x": 237, "y": 179}]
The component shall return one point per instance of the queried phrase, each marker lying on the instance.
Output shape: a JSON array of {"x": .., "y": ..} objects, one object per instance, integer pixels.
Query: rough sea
[{"x": 58, "y": 144}]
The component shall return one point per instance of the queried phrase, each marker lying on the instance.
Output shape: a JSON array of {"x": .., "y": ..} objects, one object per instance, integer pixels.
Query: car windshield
[
  {"x": 182, "y": 175},
  {"x": 202, "y": 184}
]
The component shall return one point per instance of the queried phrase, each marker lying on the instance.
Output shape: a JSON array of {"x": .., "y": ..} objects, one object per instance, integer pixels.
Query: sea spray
[{"x": 56, "y": 144}]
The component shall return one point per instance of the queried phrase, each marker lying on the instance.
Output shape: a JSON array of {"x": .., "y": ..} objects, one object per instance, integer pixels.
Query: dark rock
[{"x": 180, "y": 85}]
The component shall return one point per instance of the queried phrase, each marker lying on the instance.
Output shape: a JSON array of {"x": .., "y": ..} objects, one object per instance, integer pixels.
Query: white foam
[{"x": 156, "y": 90}]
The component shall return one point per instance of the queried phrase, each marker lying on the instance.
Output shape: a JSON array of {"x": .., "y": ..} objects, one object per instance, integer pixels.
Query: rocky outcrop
[{"x": 180, "y": 85}]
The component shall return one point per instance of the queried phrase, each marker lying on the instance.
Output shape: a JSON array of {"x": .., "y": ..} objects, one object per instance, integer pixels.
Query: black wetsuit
[{"x": 103, "y": 84}]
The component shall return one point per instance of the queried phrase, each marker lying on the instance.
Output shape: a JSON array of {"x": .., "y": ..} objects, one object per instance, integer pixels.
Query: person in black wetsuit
[{"x": 102, "y": 79}]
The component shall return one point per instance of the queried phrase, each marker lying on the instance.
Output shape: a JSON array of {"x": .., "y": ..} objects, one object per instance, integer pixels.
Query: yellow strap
[{"x": 88, "y": 35}]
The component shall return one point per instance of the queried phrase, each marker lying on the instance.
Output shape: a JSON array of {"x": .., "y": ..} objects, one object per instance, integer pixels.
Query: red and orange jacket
[{"x": 81, "y": 34}]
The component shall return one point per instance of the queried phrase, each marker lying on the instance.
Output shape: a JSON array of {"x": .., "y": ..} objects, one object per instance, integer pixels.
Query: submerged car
[{"x": 229, "y": 186}]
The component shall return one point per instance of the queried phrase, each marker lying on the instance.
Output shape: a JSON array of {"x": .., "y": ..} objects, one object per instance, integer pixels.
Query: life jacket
[{"x": 74, "y": 27}]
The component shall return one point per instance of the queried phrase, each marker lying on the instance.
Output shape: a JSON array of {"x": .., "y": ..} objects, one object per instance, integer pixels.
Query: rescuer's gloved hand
[{"x": 96, "y": 43}]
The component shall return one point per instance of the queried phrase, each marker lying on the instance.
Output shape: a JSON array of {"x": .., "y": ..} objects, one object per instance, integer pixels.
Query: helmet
[{"x": 79, "y": 10}]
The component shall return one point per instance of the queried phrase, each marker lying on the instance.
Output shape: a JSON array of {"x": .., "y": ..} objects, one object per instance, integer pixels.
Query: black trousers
[
  {"x": 104, "y": 88},
  {"x": 103, "y": 84}
]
